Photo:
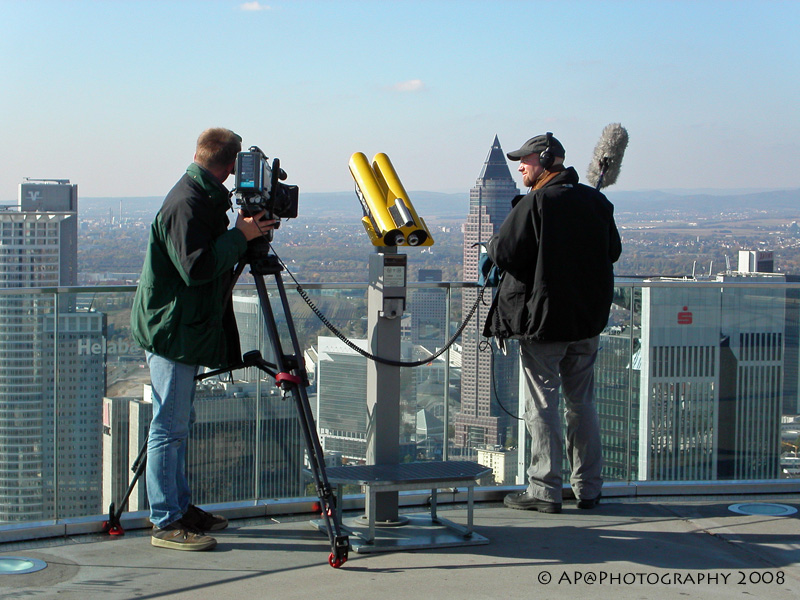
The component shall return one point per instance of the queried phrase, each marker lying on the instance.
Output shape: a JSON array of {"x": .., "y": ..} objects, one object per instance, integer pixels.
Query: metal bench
[{"x": 434, "y": 476}]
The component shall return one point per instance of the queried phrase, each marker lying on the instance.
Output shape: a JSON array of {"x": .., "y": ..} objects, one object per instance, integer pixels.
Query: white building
[
  {"x": 711, "y": 379},
  {"x": 50, "y": 391}
]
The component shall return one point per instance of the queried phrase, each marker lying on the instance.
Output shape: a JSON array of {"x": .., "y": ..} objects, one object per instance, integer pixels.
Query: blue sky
[{"x": 112, "y": 94}]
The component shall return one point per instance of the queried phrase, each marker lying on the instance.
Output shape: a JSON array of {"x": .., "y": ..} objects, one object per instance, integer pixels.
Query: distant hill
[
  {"x": 709, "y": 201},
  {"x": 325, "y": 204},
  {"x": 443, "y": 205}
]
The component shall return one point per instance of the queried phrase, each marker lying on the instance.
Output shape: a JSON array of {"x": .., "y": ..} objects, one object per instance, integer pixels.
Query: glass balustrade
[{"x": 695, "y": 381}]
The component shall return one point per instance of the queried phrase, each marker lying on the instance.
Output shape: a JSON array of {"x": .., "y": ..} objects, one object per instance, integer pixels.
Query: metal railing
[{"x": 694, "y": 380}]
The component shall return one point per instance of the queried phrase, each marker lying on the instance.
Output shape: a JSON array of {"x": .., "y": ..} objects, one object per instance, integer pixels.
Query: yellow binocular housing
[{"x": 389, "y": 216}]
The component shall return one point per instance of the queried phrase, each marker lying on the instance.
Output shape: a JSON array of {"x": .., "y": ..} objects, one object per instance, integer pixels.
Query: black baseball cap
[{"x": 536, "y": 145}]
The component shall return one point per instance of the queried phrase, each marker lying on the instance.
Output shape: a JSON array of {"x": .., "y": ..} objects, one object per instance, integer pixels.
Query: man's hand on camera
[{"x": 254, "y": 226}]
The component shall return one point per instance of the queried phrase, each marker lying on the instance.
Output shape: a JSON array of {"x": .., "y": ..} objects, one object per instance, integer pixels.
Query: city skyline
[{"x": 114, "y": 94}]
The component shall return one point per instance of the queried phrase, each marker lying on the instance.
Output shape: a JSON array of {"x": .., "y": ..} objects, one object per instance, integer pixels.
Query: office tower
[
  {"x": 617, "y": 372},
  {"x": 341, "y": 409},
  {"x": 140, "y": 414},
  {"x": 244, "y": 444},
  {"x": 50, "y": 390},
  {"x": 480, "y": 421},
  {"x": 756, "y": 261},
  {"x": 791, "y": 381},
  {"x": 116, "y": 422},
  {"x": 240, "y": 446},
  {"x": 753, "y": 326},
  {"x": 502, "y": 462},
  {"x": 763, "y": 261},
  {"x": 711, "y": 380},
  {"x": 252, "y": 333},
  {"x": 428, "y": 312},
  {"x": 246, "y": 441}
]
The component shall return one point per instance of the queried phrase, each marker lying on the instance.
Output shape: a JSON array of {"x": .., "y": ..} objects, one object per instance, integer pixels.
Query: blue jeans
[
  {"x": 568, "y": 366},
  {"x": 173, "y": 414}
]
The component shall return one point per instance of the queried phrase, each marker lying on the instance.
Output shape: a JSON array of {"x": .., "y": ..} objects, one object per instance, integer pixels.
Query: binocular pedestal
[
  {"x": 385, "y": 305},
  {"x": 382, "y": 528}
]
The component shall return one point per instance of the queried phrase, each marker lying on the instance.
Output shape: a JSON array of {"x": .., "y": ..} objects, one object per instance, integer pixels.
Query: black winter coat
[{"x": 557, "y": 248}]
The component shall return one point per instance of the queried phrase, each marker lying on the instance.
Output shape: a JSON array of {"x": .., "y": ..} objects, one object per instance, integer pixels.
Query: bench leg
[
  {"x": 372, "y": 514},
  {"x": 470, "y": 502},
  {"x": 339, "y": 502}
]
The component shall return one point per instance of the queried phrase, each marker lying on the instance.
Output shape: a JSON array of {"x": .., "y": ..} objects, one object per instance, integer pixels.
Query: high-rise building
[
  {"x": 503, "y": 464},
  {"x": 480, "y": 421},
  {"x": 617, "y": 388},
  {"x": 240, "y": 446},
  {"x": 429, "y": 312},
  {"x": 341, "y": 409},
  {"x": 246, "y": 441},
  {"x": 711, "y": 380},
  {"x": 791, "y": 347},
  {"x": 243, "y": 446},
  {"x": 51, "y": 386},
  {"x": 116, "y": 462}
]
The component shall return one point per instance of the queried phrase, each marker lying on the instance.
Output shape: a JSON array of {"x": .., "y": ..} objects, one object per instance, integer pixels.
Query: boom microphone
[{"x": 607, "y": 159}]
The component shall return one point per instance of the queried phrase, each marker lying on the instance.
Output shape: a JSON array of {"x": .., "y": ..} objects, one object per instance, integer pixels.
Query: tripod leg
[
  {"x": 113, "y": 525},
  {"x": 291, "y": 378}
]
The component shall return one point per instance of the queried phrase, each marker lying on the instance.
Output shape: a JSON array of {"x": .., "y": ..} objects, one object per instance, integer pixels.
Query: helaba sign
[{"x": 90, "y": 346}]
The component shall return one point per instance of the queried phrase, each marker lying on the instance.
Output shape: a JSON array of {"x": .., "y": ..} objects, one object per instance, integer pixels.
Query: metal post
[{"x": 385, "y": 305}]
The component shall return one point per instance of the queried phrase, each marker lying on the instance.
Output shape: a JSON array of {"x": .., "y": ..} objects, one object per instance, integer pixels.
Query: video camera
[{"x": 258, "y": 187}]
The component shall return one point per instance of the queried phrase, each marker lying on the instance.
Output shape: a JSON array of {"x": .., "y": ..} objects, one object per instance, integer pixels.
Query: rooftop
[{"x": 628, "y": 547}]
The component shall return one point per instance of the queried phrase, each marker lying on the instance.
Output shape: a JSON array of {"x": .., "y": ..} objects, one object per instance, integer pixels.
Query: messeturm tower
[{"x": 481, "y": 422}]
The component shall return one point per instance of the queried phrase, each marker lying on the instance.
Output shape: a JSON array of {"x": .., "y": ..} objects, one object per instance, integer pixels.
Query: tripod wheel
[
  {"x": 334, "y": 561},
  {"x": 113, "y": 529}
]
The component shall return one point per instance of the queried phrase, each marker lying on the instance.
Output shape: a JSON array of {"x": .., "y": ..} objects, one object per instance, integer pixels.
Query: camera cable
[
  {"x": 379, "y": 359},
  {"x": 483, "y": 346}
]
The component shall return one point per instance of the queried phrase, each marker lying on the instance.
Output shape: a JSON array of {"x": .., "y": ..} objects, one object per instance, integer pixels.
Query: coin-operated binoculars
[
  {"x": 390, "y": 221},
  {"x": 389, "y": 216}
]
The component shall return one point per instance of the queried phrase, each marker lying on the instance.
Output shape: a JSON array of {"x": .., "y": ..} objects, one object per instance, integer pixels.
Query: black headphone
[{"x": 546, "y": 158}]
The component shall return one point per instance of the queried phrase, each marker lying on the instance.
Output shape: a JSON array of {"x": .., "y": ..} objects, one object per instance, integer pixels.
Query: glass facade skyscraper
[
  {"x": 480, "y": 421},
  {"x": 51, "y": 383},
  {"x": 711, "y": 380}
]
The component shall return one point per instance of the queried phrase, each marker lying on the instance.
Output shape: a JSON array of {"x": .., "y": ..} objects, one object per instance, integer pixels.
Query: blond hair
[{"x": 217, "y": 147}]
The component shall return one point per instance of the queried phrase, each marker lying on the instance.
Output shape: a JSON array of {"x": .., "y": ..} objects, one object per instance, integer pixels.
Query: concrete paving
[{"x": 654, "y": 548}]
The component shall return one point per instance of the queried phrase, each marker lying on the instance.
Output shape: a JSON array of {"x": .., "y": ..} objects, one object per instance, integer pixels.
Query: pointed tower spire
[{"x": 496, "y": 166}]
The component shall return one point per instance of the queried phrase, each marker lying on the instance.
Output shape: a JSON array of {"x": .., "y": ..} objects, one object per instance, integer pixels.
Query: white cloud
[
  {"x": 253, "y": 6},
  {"x": 412, "y": 85}
]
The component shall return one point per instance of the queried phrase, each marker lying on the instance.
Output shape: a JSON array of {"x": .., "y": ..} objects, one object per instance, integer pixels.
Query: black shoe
[
  {"x": 523, "y": 501},
  {"x": 589, "y": 503},
  {"x": 202, "y": 520}
]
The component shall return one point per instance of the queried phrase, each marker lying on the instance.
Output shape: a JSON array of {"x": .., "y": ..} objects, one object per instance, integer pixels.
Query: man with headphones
[{"x": 556, "y": 249}]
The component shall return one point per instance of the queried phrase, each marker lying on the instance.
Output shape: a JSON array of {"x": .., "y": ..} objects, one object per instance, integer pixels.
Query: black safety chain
[
  {"x": 368, "y": 355},
  {"x": 485, "y": 345}
]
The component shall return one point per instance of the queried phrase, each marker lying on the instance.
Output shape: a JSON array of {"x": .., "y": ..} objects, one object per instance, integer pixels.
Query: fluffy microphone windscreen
[{"x": 607, "y": 158}]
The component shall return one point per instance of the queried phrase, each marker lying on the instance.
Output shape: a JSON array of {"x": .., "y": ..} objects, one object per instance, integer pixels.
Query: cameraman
[{"x": 182, "y": 319}]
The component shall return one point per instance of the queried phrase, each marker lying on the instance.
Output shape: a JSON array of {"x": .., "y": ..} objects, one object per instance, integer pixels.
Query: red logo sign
[{"x": 685, "y": 317}]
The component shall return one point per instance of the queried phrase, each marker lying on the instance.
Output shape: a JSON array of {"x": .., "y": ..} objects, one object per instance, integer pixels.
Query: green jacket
[{"x": 180, "y": 311}]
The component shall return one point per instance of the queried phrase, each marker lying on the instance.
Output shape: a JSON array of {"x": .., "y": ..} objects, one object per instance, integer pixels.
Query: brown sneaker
[
  {"x": 204, "y": 521},
  {"x": 179, "y": 536}
]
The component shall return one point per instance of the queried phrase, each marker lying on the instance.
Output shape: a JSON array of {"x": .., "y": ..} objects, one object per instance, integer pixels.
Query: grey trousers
[{"x": 548, "y": 366}]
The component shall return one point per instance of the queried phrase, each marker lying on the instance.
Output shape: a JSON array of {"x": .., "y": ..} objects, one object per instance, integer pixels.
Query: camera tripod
[{"x": 290, "y": 375}]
